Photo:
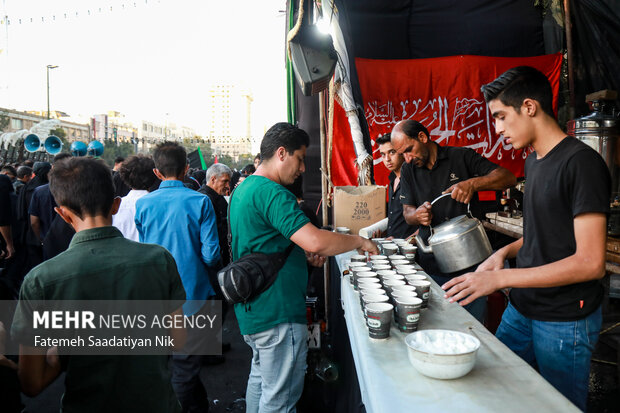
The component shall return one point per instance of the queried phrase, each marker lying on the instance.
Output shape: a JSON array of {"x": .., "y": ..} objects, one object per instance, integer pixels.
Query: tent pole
[
  {"x": 570, "y": 57},
  {"x": 324, "y": 195}
]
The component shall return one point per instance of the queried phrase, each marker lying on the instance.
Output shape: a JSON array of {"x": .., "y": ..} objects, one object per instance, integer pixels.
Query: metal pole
[
  {"x": 48, "y": 91},
  {"x": 48, "y": 88},
  {"x": 570, "y": 57},
  {"x": 324, "y": 195}
]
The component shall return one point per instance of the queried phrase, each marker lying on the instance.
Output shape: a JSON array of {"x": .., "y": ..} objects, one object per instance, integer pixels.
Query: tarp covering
[
  {"x": 412, "y": 29},
  {"x": 596, "y": 28}
]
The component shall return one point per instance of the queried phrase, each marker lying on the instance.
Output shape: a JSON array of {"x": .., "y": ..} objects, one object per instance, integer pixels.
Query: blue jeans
[
  {"x": 278, "y": 368},
  {"x": 560, "y": 349}
]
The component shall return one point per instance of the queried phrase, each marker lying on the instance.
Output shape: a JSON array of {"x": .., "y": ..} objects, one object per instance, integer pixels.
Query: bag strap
[{"x": 284, "y": 254}]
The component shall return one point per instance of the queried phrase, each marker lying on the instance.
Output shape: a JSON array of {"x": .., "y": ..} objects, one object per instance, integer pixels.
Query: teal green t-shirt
[{"x": 263, "y": 217}]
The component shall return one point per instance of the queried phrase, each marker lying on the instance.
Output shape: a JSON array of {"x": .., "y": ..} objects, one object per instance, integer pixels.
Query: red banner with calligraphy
[{"x": 441, "y": 93}]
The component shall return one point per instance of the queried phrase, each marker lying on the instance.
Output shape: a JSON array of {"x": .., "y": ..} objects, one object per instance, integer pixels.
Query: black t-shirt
[
  {"x": 397, "y": 226},
  {"x": 570, "y": 180},
  {"x": 6, "y": 209},
  {"x": 419, "y": 185}
]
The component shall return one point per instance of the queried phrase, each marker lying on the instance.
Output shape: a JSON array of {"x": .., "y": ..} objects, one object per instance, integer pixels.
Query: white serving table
[{"x": 499, "y": 382}]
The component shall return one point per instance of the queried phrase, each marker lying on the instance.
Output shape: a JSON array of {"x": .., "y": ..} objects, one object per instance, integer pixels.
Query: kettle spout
[{"x": 427, "y": 249}]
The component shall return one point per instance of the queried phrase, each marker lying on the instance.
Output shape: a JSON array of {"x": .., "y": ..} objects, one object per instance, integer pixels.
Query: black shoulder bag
[{"x": 250, "y": 275}]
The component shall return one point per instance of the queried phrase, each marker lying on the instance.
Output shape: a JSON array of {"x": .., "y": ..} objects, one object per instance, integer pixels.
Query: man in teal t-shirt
[{"x": 265, "y": 217}]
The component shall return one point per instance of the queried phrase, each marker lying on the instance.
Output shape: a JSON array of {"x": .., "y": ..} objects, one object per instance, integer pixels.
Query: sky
[{"x": 151, "y": 59}]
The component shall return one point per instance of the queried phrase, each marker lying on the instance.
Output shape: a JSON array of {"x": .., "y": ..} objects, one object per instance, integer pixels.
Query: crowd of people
[
  {"x": 151, "y": 229},
  {"x": 158, "y": 231}
]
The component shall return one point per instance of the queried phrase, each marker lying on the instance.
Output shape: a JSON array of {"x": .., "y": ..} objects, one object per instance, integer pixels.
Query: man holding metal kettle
[{"x": 432, "y": 170}]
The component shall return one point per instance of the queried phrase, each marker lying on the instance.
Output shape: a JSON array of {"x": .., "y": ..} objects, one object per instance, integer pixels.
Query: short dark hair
[
  {"x": 24, "y": 171},
  {"x": 61, "y": 156},
  {"x": 249, "y": 169},
  {"x": 283, "y": 134},
  {"x": 137, "y": 172},
  {"x": 119, "y": 159},
  {"x": 519, "y": 83},
  {"x": 170, "y": 159},
  {"x": 84, "y": 185},
  {"x": 412, "y": 128},
  {"x": 385, "y": 138},
  {"x": 9, "y": 169}
]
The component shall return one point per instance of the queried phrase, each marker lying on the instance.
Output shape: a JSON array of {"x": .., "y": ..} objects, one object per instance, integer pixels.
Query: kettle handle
[{"x": 442, "y": 196}]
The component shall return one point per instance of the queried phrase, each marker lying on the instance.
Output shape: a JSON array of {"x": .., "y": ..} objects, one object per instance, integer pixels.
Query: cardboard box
[{"x": 357, "y": 207}]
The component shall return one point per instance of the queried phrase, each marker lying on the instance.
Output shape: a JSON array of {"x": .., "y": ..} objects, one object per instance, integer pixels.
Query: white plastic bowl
[{"x": 442, "y": 354}]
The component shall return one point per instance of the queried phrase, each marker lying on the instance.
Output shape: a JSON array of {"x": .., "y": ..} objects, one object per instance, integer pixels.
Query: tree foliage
[
  {"x": 4, "y": 122},
  {"x": 111, "y": 150}
]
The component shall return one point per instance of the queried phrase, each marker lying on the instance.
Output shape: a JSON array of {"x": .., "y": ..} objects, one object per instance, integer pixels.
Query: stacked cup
[
  {"x": 391, "y": 283},
  {"x": 356, "y": 271}
]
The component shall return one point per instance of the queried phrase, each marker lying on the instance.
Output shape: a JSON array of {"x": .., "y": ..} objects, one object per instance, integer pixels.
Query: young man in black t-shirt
[
  {"x": 554, "y": 316},
  {"x": 393, "y": 161}
]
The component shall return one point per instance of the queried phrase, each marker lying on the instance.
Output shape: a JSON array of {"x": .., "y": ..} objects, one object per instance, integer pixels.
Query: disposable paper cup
[
  {"x": 378, "y": 257},
  {"x": 389, "y": 284},
  {"x": 370, "y": 289},
  {"x": 403, "y": 293},
  {"x": 390, "y": 249},
  {"x": 355, "y": 271},
  {"x": 379, "y": 317},
  {"x": 358, "y": 258},
  {"x": 392, "y": 277},
  {"x": 343, "y": 230},
  {"x": 408, "y": 251},
  {"x": 400, "y": 262},
  {"x": 405, "y": 267},
  {"x": 349, "y": 270},
  {"x": 360, "y": 275},
  {"x": 373, "y": 289},
  {"x": 403, "y": 288},
  {"x": 372, "y": 298},
  {"x": 407, "y": 313},
  {"x": 385, "y": 273},
  {"x": 405, "y": 271},
  {"x": 423, "y": 290},
  {"x": 368, "y": 281},
  {"x": 382, "y": 267},
  {"x": 396, "y": 257},
  {"x": 377, "y": 263},
  {"x": 415, "y": 277}
]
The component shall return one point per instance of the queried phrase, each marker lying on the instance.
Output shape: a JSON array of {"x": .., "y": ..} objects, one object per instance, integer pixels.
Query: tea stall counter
[{"x": 499, "y": 381}]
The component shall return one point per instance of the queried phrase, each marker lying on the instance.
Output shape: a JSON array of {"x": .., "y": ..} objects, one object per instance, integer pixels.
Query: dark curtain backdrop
[{"x": 410, "y": 29}]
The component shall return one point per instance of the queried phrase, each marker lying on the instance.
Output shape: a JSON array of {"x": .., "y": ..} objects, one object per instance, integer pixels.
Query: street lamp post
[{"x": 48, "y": 88}]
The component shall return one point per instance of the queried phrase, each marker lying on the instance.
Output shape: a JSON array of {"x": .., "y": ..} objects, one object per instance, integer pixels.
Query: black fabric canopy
[{"x": 407, "y": 29}]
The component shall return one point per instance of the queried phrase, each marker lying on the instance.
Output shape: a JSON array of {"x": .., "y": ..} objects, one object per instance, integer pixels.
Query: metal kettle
[{"x": 458, "y": 243}]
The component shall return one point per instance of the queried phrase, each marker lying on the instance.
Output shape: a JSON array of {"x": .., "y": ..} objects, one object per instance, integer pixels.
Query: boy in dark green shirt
[{"x": 98, "y": 265}]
